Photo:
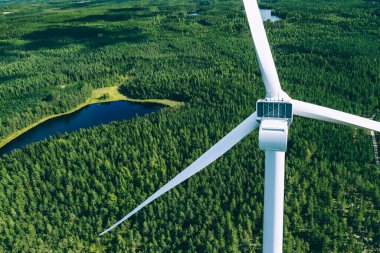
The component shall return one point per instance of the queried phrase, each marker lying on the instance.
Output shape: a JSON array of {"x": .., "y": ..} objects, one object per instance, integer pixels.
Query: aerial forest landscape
[{"x": 188, "y": 73}]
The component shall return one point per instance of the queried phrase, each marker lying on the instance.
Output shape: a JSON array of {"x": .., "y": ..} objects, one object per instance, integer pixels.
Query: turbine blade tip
[{"x": 102, "y": 233}]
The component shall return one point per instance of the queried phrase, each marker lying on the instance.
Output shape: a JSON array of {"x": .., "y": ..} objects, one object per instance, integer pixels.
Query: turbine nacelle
[
  {"x": 275, "y": 117},
  {"x": 274, "y": 109}
]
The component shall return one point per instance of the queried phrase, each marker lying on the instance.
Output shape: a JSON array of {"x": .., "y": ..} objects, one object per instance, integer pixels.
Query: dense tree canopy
[{"x": 59, "y": 194}]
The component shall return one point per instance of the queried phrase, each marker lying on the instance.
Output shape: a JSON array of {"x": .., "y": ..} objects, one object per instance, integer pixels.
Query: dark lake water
[{"x": 92, "y": 115}]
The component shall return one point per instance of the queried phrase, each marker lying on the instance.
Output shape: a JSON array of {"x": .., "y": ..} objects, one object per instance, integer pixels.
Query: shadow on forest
[
  {"x": 6, "y": 49},
  {"x": 12, "y": 77},
  {"x": 91, "y": 37},
  {"x": 4, "y": 46}
]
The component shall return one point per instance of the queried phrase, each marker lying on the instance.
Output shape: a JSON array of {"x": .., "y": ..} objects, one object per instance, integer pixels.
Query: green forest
[{"x": 57, "y": 195}]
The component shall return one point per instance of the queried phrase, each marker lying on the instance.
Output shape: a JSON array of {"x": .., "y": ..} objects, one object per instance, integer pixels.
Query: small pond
[
  {"x": 266, "y": 14},
  {"x": 91, "y": 115}
]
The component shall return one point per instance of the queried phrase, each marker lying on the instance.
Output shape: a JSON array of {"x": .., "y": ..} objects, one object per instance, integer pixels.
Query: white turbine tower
[{"x": 274, "y": 114}]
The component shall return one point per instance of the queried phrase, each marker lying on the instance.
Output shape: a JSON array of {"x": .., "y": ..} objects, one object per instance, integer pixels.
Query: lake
[
  {"x": 91, "y": 115},
  {"x": 266, "y": 14}
]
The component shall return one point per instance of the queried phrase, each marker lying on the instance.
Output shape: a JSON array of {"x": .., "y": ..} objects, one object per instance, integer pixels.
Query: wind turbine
[{"x": 273, "y": 116}]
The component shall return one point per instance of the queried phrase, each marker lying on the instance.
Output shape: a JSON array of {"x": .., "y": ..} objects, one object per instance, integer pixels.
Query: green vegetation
[
  {"x": 59, "y": 194},
  {"x": 105, "y": 96}
]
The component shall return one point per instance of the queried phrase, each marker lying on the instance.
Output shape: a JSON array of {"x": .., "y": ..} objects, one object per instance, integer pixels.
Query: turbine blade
[
  {"x": 264, "y": 55},
  {"x": 313, "y": 111},
  {"x": 237, "y": 134}
]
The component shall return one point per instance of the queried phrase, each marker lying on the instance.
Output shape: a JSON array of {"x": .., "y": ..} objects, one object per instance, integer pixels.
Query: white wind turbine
[{"x": 274, "y": 115}]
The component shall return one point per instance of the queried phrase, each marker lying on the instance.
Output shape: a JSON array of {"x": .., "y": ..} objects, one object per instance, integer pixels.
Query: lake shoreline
[{"x": 114, "y": 95}]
